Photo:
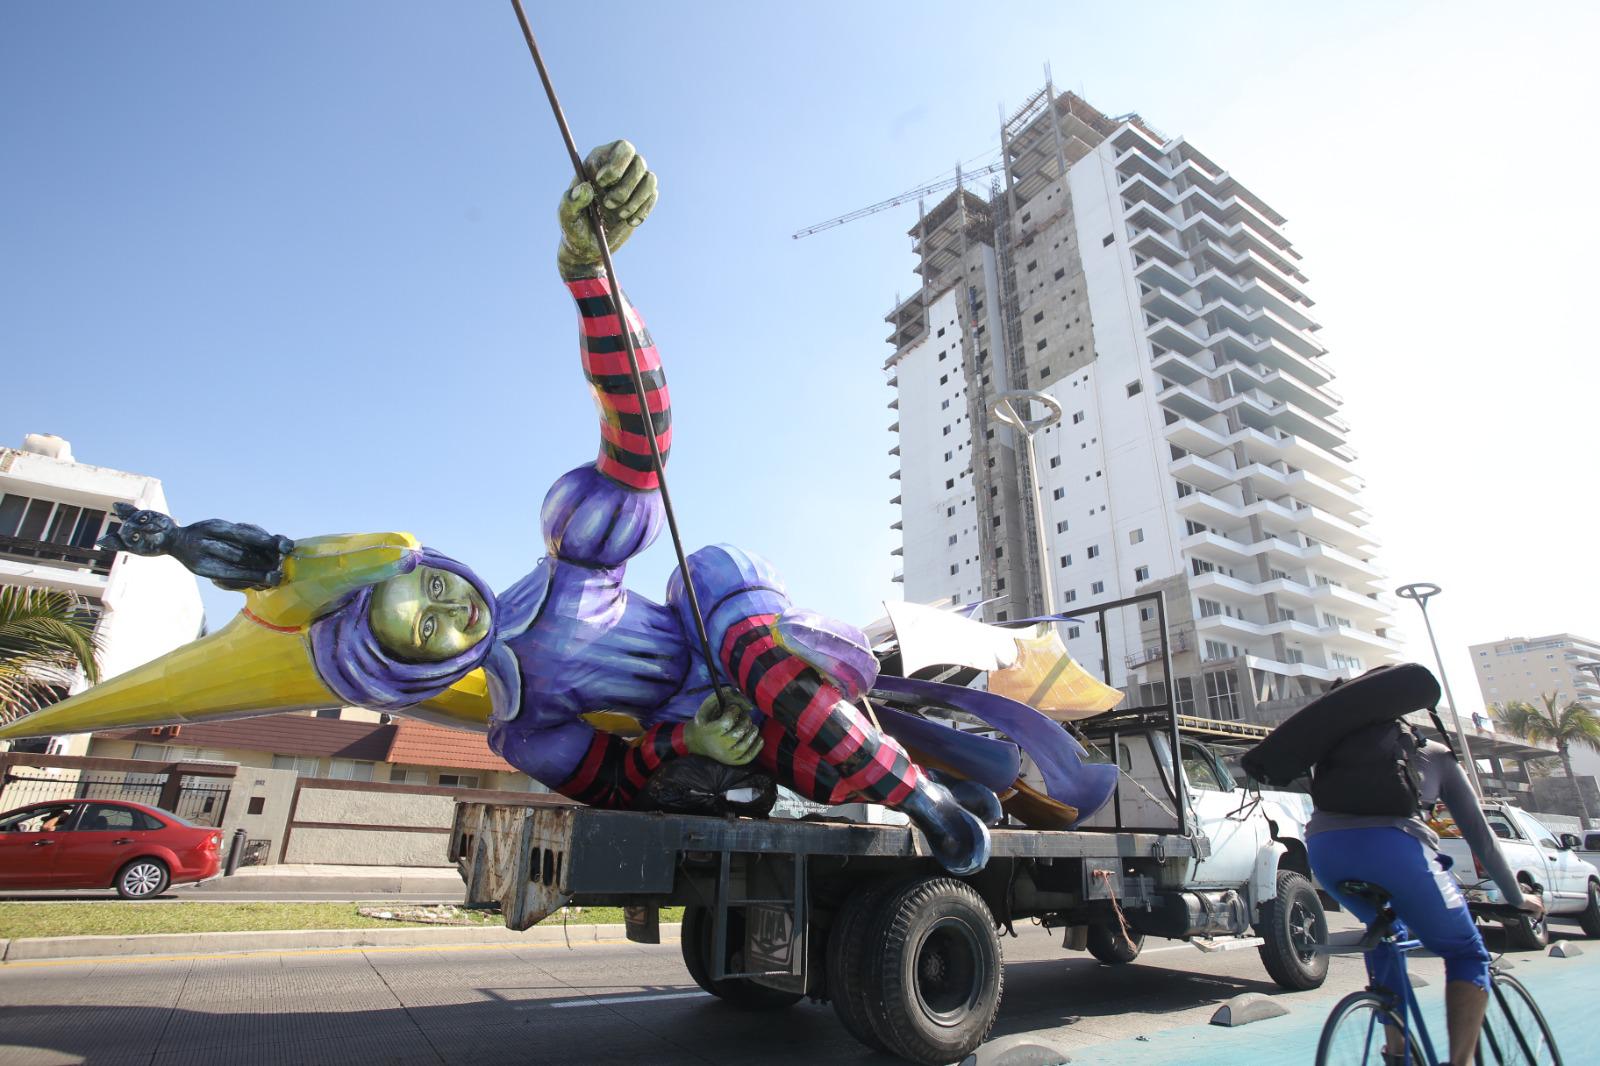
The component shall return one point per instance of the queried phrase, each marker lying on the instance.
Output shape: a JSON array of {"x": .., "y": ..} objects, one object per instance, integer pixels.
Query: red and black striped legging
[{"x": 814, "y": 741}]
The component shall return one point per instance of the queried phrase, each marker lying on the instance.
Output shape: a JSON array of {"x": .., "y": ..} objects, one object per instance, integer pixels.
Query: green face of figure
[{"x": 428, "y": 615}]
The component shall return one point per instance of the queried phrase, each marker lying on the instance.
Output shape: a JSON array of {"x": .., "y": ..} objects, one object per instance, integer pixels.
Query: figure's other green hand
[
  {"x": 619, "y": 176},
  {"x": 730, "y": 738}
]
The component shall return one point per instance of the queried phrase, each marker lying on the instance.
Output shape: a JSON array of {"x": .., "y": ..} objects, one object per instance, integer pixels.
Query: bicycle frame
[{"x": 1410, "y": 1011}]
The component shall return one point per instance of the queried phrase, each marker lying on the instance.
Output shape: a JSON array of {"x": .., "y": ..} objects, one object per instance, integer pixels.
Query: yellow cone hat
[{"x": 243, "y": 669}]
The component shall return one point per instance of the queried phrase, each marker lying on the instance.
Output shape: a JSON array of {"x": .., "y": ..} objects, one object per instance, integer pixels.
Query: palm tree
[
  {"x": 1566, "y": 725},
  {"x": 46, "y": 638}
]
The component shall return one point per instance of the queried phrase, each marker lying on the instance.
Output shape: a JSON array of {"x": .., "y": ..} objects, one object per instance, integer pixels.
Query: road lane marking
[{"x": 652, "y": 997}]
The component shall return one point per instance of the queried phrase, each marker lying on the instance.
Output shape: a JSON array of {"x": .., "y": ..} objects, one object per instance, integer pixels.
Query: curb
[{"x": 33, "y": 949}]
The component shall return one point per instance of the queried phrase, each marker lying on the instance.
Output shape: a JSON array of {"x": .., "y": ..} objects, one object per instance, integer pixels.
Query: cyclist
[{"x": 1401, "y": 855}]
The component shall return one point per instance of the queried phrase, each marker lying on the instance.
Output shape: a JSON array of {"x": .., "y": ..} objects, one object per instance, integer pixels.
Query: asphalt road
[{"x": 623, "y": 1003}]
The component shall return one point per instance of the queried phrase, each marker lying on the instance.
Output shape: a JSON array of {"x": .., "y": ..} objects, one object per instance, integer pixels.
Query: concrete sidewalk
[
  {"x": 36, "y": 949},
  {"x": 364, "y": 882}
]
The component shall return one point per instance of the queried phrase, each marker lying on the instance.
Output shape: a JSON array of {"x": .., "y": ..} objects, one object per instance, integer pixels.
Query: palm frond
[{"x": 46, "y": 638}]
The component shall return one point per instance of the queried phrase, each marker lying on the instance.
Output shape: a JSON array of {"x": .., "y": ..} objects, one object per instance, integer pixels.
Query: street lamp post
[
  {"x": 1005, "y": 410},
  {"x": 1421, "y": 592}
]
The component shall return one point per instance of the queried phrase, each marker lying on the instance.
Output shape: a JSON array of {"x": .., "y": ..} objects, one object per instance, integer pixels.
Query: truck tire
[
  {"x": 695, "y": 940},
  {"x": 1590, "y": 918},
  {"x": 1525, "y": 932},
  {"x": 934, "y": 971},
  {"x": 847, "y": 962},
  {"x": 1290, "y": 924},
  {"x": 1107, "y": 944}
]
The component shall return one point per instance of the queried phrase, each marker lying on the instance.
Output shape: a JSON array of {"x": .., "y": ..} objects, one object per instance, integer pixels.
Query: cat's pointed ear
[{"x": 124, "y": 510}]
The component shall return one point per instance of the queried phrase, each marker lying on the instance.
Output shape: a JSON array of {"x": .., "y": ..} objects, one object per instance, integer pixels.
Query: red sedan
[{"x": 135, "y": 849}]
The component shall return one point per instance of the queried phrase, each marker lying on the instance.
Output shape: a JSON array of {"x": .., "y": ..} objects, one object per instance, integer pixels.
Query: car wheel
[
  {"x": 141, "y": 879},
  {"x": 1590, "y": 918}
]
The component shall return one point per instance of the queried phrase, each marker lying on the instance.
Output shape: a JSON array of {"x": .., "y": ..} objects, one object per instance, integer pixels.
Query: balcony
[
  {"x": 1202, "y": 473},
  {"x": 1178, "y": 644},
  {"x": 1165, "y": 303},
  {"x": 1246, "y": 347},
  {"x": 62, "y": 566},
  {"x": 1160, "y": 274},
  {"x": 1152, "y": 245}
]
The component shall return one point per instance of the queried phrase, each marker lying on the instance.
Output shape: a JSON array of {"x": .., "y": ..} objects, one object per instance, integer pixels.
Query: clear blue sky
[{"x": 296, "y": 259}]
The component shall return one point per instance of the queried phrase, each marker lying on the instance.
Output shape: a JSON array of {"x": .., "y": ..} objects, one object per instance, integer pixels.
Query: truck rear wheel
[
  {"x": 934, "y": 971},
  {"x": 1590, "y": 918},
  {"x": 1292, "y": 924},
  {"x": 695, "y": 940},
  {"x": 1526, "y": 932},
  {"x": 1107, "y": 944},
  {"x": 847, "y": 962}
]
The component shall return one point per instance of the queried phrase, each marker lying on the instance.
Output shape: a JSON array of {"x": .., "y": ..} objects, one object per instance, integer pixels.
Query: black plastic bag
[{"x": 697, "y": 785}]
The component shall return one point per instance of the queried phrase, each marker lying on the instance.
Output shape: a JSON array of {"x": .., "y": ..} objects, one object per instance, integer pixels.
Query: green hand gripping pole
[{"x": 633, "y": 359}]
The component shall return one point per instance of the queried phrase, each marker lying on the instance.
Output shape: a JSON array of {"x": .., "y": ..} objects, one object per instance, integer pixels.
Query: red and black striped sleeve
[
  {"x": 624, "y": 450},
  {"x": 614, "y": 770}
]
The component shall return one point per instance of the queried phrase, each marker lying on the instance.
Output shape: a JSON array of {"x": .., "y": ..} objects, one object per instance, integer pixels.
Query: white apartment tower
[
  {"x": 1527, "y": 668},
  {"x": 1200, "y": 452},
  {"x": 52, "y": 511}
]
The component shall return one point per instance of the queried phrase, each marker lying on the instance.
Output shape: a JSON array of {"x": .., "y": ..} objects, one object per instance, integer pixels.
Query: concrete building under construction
[{"x": 1199, "y": 451}]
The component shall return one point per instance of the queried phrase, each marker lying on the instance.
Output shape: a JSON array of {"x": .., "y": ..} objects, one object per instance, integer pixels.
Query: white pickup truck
[{"x": 1537, "y": 856}]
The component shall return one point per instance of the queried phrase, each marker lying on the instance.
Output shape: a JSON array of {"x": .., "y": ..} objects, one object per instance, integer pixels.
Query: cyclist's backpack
[
  {"x": 1377, "y": 697},
  {"x": 1370, "y": 772}
]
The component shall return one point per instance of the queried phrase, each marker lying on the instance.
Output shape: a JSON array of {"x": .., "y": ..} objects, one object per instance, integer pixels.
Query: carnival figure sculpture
[{"x": 379, "y": 621}]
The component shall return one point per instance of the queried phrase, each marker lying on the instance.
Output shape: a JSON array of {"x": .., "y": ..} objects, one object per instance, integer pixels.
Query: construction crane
[{"x": 961, "y": 176}]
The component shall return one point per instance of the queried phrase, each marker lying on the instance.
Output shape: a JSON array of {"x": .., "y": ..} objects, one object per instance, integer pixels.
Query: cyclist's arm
[{"x": 1457, "y": 794}]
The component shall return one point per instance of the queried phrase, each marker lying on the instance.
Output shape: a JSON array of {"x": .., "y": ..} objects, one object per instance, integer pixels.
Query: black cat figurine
[{"x": 233, "y": 555}]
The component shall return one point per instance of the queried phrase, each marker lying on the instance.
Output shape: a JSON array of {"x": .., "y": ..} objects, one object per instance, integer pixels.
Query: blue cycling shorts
[{"x": 1423, "y": 891}]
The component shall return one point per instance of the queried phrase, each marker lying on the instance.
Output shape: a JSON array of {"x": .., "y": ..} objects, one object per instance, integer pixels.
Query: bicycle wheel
[
  {"x": 1357, "y": 1030},
  {"x": 1514, "y": 1032}
]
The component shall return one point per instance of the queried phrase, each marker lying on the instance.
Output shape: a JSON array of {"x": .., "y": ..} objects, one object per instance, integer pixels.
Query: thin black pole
[{"x": 633, "y": 357}]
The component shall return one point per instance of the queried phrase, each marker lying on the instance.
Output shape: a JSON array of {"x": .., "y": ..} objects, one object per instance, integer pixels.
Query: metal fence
[{"x": 196, "y": 792}]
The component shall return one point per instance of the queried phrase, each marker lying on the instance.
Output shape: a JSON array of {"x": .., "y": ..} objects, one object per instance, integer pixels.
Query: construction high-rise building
[{"x": 1200, "y": 450}]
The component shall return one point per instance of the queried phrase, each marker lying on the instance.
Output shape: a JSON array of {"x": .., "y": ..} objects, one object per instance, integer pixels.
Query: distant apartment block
[
  {"x": 1526, "y": 668},
  {"x": 1201, "y": 451},
  {"x": 52, "y": 511}
]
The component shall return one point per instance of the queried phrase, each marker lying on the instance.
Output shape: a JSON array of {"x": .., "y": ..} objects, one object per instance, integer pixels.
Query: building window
[
  {"x": 1045, "y": 371},
  {"x": 999, "y": 584},
  {"x": 1136, "y": 536},
  {"x": 49, "y": 522},
  {"x": 1077, "y": 416},
  {"x": 328, "y": 712},
  {"x": 1147, "y": 614},
  {"x": 303, "y": 765},
  {"x": 458, "y": 780},
  {"x": 947, "y": 431},
  {"x": 1107, "y": 240},
  {"x": 1073, "y": 631},
  {"x": 995, "y": 522},
  {"x": 1193, "y": 528},
  {"x": 407, "y": 776},
  {"x": 1097, "y": 588},
  {"x": 944, "y": 379},
  {"x": 349, "y": 770},
  {"x": 954, "y": 569},
  {"x": 952, "y": 538},
  {"x": 939, "y": 334},
  {"x": 1038, "y": 316},
  {"x": 1216, "y": 649},
  {"x": 1285, "y": 615},
  {"x": 1135, "y": 388},
  {"x": 1209, "y": 608},
  {"x": 1033, "y": 265},
  {"x": 1141, "y": 573},
  {"x": 1055, "y": 461},
  {"x": 1201, "y": 566},
  {"x": 999, "y": 553},
  {"x": 1000, "y": 616},
  {"x": 1058, "y": 493},
  {"x": 949, "y": 482},
  {"x": 1066, "y": 560},
  {"x": 1061, "y": 273},
  {"x": 1184, "y": 488},
  {"x": 1185, "y": 701},
  {"x": 1061, "y": 526},
  {"x": 1041, "y": 345},
  {"x": 949, "y": 512},
  {"x": 944, "y": 405},
  {"x": 1222, "y": 697},
  {"x": 1093, "y": 552},
  {"x": 1070, "y": 596}
]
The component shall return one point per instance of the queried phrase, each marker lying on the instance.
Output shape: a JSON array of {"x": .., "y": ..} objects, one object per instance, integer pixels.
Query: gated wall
[
  {"x": 370, "y": 823},
  {"x": 197, "y": 792}
]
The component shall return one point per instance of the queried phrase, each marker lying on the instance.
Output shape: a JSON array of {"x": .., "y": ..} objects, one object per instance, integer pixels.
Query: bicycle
[{"x": 1361, "y": 1026}]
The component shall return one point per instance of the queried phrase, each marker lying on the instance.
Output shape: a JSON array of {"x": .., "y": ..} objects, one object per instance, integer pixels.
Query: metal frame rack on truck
[{"x": 862, "y": 915}]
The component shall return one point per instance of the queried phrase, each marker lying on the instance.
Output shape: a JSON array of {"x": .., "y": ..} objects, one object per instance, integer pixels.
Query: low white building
[{"x": 53, "y": 510}]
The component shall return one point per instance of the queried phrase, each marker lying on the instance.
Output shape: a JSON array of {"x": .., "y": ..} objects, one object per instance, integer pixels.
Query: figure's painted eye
[
  {"x": 133, "y": 538},
  {"x": 429, "y": 626},
  {"x": 436, "y": 586}
]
